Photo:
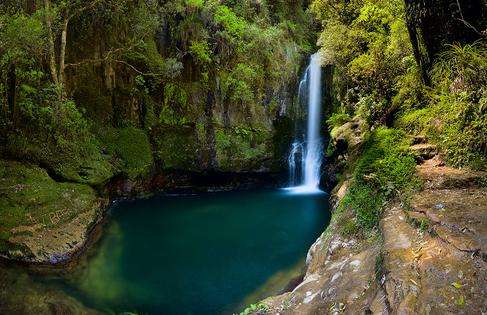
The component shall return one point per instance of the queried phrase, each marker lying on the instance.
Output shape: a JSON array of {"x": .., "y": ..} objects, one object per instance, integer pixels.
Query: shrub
[{"x": 337, "y": 119}]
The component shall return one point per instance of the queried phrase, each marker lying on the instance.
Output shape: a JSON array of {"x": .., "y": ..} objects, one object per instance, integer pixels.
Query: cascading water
[{"x": 305, "y": 178}]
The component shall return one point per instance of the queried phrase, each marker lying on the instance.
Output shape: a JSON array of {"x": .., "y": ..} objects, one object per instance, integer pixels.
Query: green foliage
[
  {"x": 175, "y": 147},
  {"x": 57, "y": 136},
  {"x": 201, "y": 51},
  {"x": 367, "y": 42},
  {"x": 461, "y": 67},
  {"x": 337, "y": 119},
  {"x": 455, "y": 117},
  {"x": 195, "y": 3},
  {"x": 149, "y": 65},
  {"x": 241, "y": 148},
  {"x": 21, "y": 35},
  {"x": 232, "y": 24},
  {"x": 242, "y": 83},
  {"x": 384, "y": 170},
  {"x": 376, "y": 78}
]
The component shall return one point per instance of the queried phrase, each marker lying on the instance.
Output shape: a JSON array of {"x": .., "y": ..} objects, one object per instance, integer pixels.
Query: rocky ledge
[
  {"x": 427, "y": 257},
  {"x": 41, "y": 220}
]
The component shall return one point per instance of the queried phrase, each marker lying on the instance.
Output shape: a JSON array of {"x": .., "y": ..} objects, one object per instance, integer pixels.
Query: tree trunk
[
  {"x": 62, "y": 55},
  {"x": 30, "y": 6},
  {"x": 52, "y": 47}
]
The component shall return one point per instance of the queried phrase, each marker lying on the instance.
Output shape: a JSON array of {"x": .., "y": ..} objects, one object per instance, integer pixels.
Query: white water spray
[{"x": 307, "y": 178}]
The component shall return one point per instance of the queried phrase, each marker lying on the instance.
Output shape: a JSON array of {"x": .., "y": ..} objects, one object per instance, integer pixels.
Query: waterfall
[{"x": 305, "y": 177}]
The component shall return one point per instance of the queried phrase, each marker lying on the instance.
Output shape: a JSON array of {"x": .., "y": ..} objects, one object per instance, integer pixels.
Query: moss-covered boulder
[
  {"x": 130, "y": 150},
  {"x": 42, "y": 220}
]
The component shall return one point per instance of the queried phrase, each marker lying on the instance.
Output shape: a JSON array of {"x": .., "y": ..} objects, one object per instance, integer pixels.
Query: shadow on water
[{"x": 198, "y": 254}]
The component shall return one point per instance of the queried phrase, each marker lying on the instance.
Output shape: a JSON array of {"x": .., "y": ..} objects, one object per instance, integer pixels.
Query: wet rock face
[
  {"x": 435, "y": 258},
  {"x": 423, "y": 151},
  {"x": 348, "y": 137},
  {"x": 183, "y": 181},
  {"x": 339, "y": 279}
]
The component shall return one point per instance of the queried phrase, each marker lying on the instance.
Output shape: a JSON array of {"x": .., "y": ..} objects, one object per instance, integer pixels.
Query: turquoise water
[{"x": 197, "y": 254}]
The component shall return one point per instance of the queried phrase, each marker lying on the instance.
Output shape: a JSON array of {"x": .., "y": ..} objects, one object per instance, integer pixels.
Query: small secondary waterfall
[{"x": 305, "y": 177}]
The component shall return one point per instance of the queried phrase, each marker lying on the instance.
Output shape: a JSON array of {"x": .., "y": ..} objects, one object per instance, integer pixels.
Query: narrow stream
[{"x": 198, "y": 254}]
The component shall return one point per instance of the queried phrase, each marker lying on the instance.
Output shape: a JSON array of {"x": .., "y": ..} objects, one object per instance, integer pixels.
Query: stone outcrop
[
  {"x": 41, "y": 220},
  {"x": 434, "y": 248},
  {"x": 427, "y": 257}
]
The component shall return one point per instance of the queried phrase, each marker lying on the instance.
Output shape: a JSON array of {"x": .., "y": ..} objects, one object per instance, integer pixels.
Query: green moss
[
  {"x": 132, "y": 148},
  {"x": 337, "y": 119},
  {"x": 29, "y": 197},
  {"x": 455, "y": 125},
  {"x": 57, "y": 136},
  {"x": 384, "y": 170},
  {"x": 230, "y": 21},
  {"x": 255, "y": 308},
  {"x": 349, "y": 228}
]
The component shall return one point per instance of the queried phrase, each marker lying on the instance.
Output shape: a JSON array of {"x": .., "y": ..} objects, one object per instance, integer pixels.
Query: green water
[{"x": 198, "y": 254}]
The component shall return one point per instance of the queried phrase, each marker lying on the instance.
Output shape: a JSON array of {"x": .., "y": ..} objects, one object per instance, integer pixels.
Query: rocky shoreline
[
  {"x": 47, "y": 252},
  {"x": 72, "y": 212},
  {"x": 427, "y": 256}
]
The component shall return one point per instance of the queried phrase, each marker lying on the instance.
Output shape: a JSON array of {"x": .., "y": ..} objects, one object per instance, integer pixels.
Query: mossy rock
[
  {"x": 86, "y": 164},
  {"x": 39, "y": 216},
  {"x": 131, "y": 149},
  {"x": 20, "y": 294},
  {"x": 94, "y": 170}
]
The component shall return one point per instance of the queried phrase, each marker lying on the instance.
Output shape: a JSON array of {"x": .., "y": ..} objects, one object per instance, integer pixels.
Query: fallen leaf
[{"x": 456, "y": 285}]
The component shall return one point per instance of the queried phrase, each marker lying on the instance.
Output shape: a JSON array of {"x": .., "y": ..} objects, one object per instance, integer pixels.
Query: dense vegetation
[
  {"x": 378, "y": 81},
  {"x": 188, "y": 84}
]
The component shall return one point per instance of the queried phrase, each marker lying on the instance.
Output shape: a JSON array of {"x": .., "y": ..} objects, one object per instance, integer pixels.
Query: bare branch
[
  {"x": 52, "y": 49},
  {"x": 462, "y": 19}
]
